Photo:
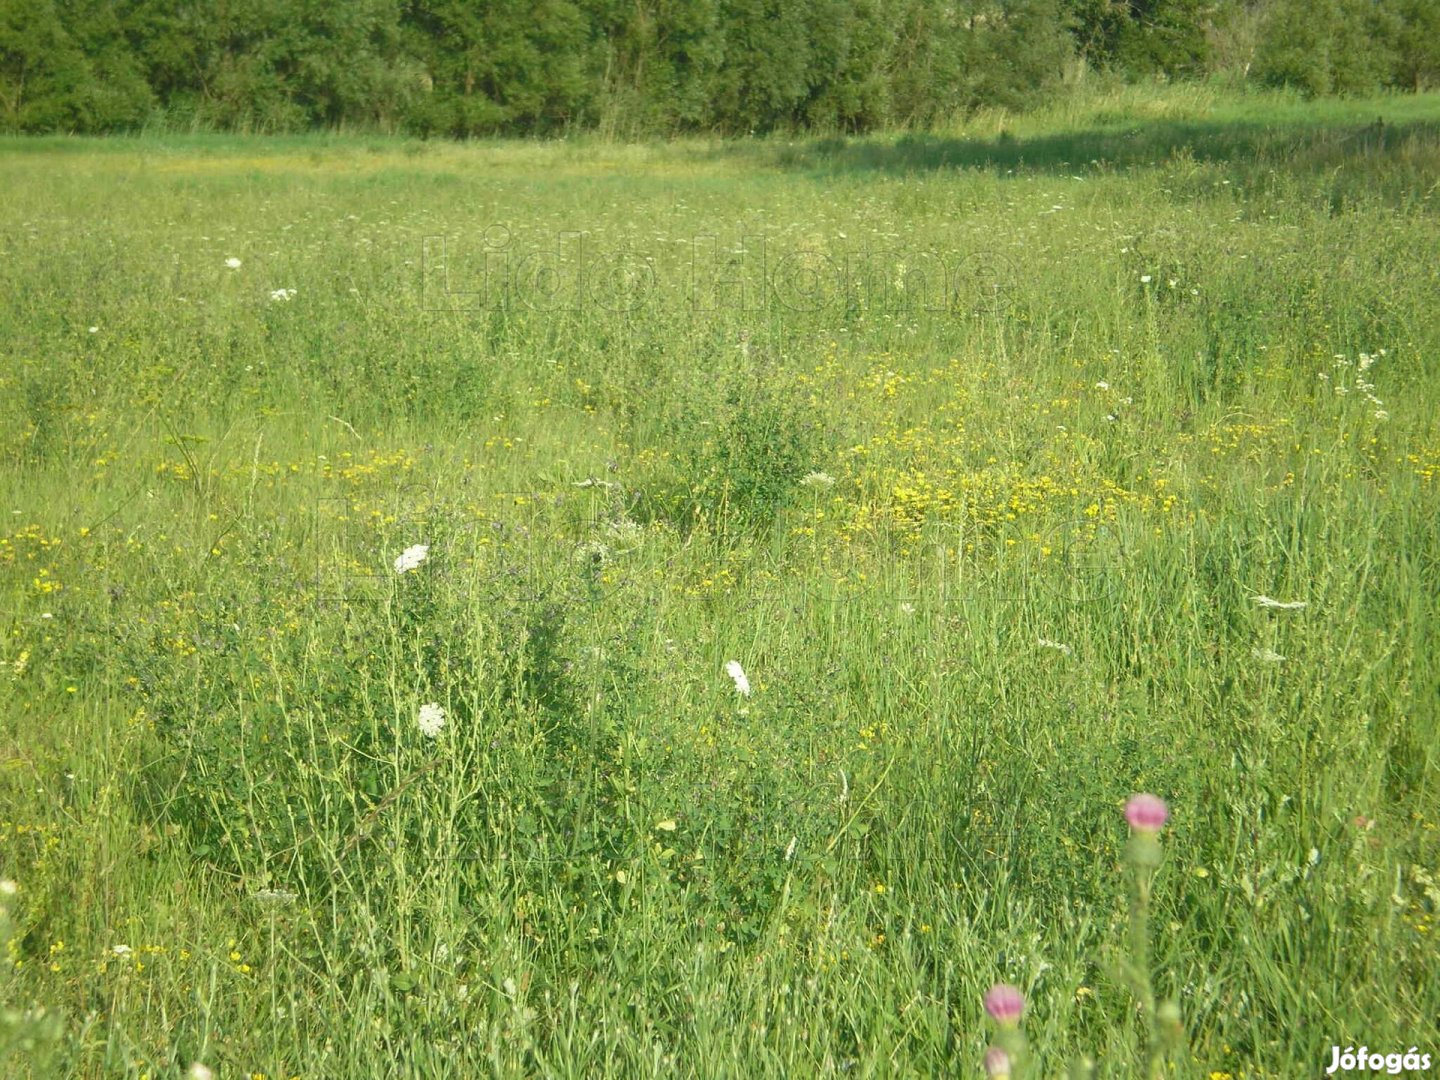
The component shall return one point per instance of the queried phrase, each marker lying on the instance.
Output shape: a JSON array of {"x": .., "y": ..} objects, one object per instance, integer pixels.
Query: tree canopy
[{"x": 656, "y": 67}]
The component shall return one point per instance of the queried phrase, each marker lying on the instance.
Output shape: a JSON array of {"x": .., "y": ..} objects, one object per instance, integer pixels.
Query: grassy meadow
[{"x": 1020, "y": 468}]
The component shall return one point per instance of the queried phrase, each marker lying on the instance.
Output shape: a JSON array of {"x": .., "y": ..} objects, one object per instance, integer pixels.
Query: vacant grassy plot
[{"x": 1019, "y": 470}]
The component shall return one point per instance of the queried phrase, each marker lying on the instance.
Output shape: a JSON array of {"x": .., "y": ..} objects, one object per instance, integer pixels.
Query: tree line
[{"x": 658, "y": 67}]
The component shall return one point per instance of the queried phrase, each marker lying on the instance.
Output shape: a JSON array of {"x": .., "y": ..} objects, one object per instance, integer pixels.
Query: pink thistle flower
[
  {"x": 1004, "y": 1003},
  {"x": 997, "y": 1064},
  {"x": 1146, "y": 813}
]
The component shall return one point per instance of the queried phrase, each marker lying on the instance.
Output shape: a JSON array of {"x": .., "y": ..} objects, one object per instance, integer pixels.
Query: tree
[
  {"x": 931, "y": 55},
  {"x": 849, "y": 62},
  {"x": 1325, "y": 46},
  {"x": 46, "y": 81},
  {"x": 1415, "y": 47},
  {"x": 500, "y": 66},
  {"x": 1020, "y": 53},
  {"x": 1142, "y": 37},
  {"x": 655, "y": 61},
  {"x": 763, "y": 81}
]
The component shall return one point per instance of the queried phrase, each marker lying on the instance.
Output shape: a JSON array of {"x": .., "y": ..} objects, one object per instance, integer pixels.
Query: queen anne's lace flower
[
  {"x": 411, "y": 557},
  {"x": 736, "y": 672},
  {"x": 431, "y": 720}
]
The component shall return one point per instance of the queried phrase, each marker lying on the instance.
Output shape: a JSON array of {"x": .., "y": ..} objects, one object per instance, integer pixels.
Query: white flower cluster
[
  {"x": 592, "y": 553},
  {"x": 625, "y": 534},
  {"x": 431, "y": 720},
  {"x": 736, "y": 672},
  {"x": 411, "y": 557},
  {"x": 1361, "y": 383}
]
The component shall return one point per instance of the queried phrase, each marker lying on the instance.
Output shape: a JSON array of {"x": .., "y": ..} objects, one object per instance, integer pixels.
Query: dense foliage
[{"x": 450, "y": 67}]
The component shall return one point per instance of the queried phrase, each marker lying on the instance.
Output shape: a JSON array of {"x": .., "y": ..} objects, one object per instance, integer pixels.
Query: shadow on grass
[{"x": 1293, "y": 146}]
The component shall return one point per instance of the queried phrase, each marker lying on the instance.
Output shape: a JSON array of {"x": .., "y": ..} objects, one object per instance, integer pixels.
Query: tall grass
[{"x": 1018, "y": 585}]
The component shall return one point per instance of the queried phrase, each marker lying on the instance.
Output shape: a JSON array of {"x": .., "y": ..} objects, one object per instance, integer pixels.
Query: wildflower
[
  {"x": 94, "y": 329},
  {"x": 1146, "y": 813},
  {"x": 818, "y": 480},
  {"x": 199, "y": 1072},
  {"x": 233, "y": 263},
  {"x": 121, "y": 950},
  {"x": 1267, "y": 656},
  {"x": 907, "y": 608},
  {"x": 411, "y": 557},
  {"x": 1279, "y": 605},
  {"x": 626, "y": 534},
  {"x": 275, "y": 896},
  {"x": 431, "y": 720},
  {"x": 8, "y": 887},
  {"x": 593, "y": 552},
  {"x": 997, "y": 1064},
  {"x": 1004, "y": 1003},
  {"x": 1046, "y": 643},
  {"x": 282, "y": 294},
  {"x": 736, "y": 672},
  {"x": 1145, "y": 279},
  {"x": 1102, "y": 385}
]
